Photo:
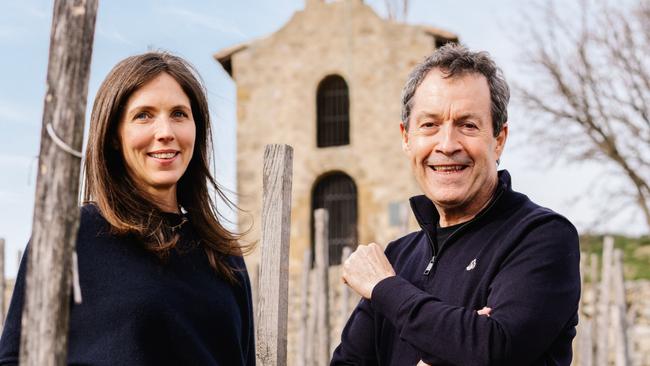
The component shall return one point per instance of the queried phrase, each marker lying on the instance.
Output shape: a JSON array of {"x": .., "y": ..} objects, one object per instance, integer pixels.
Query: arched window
[
  {"x": 333, "y": 112},
  {"x": 338, "y": 194}
]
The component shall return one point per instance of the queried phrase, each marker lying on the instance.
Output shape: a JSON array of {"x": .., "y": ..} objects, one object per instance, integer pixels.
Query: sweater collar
[{"x": 427, "y": 215}]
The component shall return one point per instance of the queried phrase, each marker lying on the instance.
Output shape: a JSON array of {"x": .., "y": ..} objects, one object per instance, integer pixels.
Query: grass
[{"x": 636, "y": 253}]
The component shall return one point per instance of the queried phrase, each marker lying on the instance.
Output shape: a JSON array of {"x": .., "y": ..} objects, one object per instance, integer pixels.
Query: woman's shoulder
[
  {"x": 92, "y": 221},
  {"x": 237, "y": 262}
]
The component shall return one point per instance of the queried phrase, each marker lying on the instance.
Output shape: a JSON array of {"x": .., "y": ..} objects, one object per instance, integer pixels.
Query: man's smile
[{"x": 448, "y": 168}]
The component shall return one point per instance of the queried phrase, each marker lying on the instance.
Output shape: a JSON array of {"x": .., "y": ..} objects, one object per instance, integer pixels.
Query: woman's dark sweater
[{"x": 139, "y": 310}]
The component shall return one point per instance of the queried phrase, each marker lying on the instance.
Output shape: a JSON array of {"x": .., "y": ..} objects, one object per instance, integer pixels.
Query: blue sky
[{"x": 195, "y": 30}]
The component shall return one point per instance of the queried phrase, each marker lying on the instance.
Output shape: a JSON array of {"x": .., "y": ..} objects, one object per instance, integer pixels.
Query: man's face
[{"x": 450, "y": 142}]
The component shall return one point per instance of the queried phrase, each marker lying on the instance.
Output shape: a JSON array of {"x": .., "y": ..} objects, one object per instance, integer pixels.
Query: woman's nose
[{"x": 164, "y": 129}]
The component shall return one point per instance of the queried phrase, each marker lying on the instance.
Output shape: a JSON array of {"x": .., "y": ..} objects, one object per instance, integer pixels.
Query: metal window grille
[
  {"x": 333, "y": 112},
  {"x": 338, "y": 194}
]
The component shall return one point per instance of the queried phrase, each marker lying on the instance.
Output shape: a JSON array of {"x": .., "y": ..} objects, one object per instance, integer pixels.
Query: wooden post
[
  {"x": 304, "y": 308},
  {"x": 3, "y": 307},
  {"x": 405, "y": 214},
  {"x": 19, "y": 259},
  {"x": 622, "y": 348},
  {"x": 312, "y": 338},
  {"x": 585, "y": 346},
  {"x": 603, "y": 304},
  {"x": 593, "y": 271},
  {"x": 272, "y": 310},
  {"x": 345, "y": 291},
  {"x": 255, "y": 284},
  {"x": 577, "y": 344},
  {"x": 321, "y": 222},
  {"x": 594, "y": 267},
  {"x": 44, "y": 340},
  {"x": 583, "y": 271}
]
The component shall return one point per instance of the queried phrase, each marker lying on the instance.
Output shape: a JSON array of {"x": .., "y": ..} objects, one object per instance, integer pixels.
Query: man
[{"x": 491, "y": 278}]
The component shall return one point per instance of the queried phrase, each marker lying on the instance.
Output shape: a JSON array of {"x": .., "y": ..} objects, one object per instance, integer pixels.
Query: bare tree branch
[{"x": 595, "y": 87}]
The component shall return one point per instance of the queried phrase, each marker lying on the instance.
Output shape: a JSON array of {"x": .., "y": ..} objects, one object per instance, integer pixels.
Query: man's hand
[{"x": 363, "y": 270}]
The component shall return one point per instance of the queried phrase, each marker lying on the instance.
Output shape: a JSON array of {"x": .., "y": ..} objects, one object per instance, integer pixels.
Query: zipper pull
[{"x": 430, "y": 265}]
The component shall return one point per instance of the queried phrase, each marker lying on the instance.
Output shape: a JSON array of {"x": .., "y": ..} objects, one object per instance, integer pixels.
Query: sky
[{"x": 195, "y": 29}]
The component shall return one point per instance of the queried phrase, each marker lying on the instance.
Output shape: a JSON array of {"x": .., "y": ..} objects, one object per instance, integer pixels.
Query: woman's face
[{"x": 157, "y": 134}]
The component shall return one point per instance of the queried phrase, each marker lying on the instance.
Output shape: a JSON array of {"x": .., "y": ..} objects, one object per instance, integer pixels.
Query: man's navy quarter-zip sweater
[{"x": 517, "y": 258}]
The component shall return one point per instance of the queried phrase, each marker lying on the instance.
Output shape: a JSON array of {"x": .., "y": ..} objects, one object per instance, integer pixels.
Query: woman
[{"x": 163, "y": 282}]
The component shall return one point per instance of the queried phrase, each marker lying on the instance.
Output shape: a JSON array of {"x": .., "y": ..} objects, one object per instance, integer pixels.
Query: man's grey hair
[{"x": 457, "y": 60}]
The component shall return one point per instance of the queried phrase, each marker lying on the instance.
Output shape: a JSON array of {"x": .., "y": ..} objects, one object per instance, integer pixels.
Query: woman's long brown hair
[{"x": 132, "y": 211}]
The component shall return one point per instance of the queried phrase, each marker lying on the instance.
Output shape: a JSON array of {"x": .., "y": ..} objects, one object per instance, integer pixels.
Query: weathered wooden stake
[
  {"x": 321, "y": 222},
  {"x": 620, "y": 310},
  {"x": 405, "y": 214},
  {"x": 255, "y": 284},
  {"x": 593, "y": 271},
  {"x": 3, "y": 307},
  {"x": 577, "y": 344},
  {"x": 273, "y": 306},
  {"x": 585, "y": 346},
  {"x": 345, "y": 290},
  {"x": 594, "y": 266},
  {"x": 19, "y": 259},
  {"x": 304, "y": 308},
  {"x": 312, "y": 337},
  {"x": 583, "y": 270},
  {"x": 44, "y": 340},
  {"x": 603, "y": 303}
]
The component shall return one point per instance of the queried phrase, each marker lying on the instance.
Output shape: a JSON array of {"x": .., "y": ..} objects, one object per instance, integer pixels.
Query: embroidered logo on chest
[{"x": 471, "y": 265}]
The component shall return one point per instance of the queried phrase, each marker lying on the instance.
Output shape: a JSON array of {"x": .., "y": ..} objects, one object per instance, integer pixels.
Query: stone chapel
[{"x": 328, "y": 83}]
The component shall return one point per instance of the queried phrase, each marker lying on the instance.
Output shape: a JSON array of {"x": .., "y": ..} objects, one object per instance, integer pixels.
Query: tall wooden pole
[
  {"x": 604, "y": 302},
  {"x": 312, "y": 337},
  {"x": 321, "y": 243},
  {"x": 304, "y": 308},
  {"x": 273, "y": 306},
  {"x": 582, "y": 348},
  {"x": 44, "y": 338},
  {"x": 585, "y": 345},
  {"x": 620, "y": 311},
  {"x": 255, "y": 283},
  {"x": 345, "y": 290},
  {"x": 3, "y": 307}
]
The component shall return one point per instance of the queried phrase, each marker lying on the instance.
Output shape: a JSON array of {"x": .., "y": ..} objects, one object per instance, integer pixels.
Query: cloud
[{"x": 206, "y": 21}]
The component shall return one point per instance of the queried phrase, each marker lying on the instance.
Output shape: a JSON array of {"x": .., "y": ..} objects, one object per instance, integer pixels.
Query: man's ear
[
  {"x": 405, "y": 138},
  {"x": 501, "y": 140}
]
